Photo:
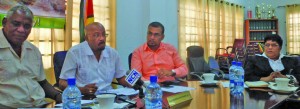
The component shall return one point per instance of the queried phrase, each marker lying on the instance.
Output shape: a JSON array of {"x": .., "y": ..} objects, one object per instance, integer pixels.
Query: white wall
[{"x": 133, "y": 17}]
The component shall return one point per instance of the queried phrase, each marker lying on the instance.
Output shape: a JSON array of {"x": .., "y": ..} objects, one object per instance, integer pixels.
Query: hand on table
[
  {"x": 164, "y": 72},
  {"x": 89, "y": 89},
  {"x": 269, "y": 78},
  {"x": 279, "y": 75},
  {"x": 272, "y": 77}
]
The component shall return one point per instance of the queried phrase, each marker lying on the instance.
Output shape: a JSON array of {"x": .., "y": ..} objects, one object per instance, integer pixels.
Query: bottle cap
[
  {"x": 71, "y": 81},
  {"x": 153, "y": 78},
  {"x": 233, "y": 63},
  {"x": 239, "y": 63}
]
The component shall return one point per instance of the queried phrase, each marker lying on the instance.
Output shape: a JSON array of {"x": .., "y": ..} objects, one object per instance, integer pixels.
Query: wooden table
[{"x": 220, "y": 98}]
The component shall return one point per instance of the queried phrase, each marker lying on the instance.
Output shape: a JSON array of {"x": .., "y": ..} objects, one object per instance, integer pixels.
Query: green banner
[{"x": 44, "y": 22}]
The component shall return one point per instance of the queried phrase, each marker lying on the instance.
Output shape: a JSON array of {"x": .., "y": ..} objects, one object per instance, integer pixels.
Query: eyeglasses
[{"x": 273, "y": 45}]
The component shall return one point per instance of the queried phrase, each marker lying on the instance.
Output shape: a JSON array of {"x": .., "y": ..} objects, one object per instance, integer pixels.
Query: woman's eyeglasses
[{"x": 272, "y": 45}]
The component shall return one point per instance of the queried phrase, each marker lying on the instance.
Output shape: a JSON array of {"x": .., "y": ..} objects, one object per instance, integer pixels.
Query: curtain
[
  {"x": 104, "y": 12},
  {"x": 293, "y": 28},
  {"x": 211, "y": 24},
  {"x": 48, "y": 41}
]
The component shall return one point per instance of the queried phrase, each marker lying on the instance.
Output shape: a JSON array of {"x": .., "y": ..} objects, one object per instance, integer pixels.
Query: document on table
[
  {"x": 120, "y": 91},
  {"x": 83, "y": 102},
  {"x": 256, "y": 84},
  {"x": 176, "y": 89},
  {"x": 96, "y": 106},
  {"x": 226, "y": 84}
]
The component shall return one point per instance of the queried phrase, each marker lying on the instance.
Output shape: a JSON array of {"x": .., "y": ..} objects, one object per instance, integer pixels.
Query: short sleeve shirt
[
  {"x": 82, "y": 64},
  {"x": 19, "y": 76}
]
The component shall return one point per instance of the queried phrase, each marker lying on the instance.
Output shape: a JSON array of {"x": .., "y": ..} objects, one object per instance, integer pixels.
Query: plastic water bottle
[
  {"x": 239, "y": 81},
  {"x": 153, "y": 96},
  {"x": 71, "y": 97},
  {"x": 232, "y": 76}
]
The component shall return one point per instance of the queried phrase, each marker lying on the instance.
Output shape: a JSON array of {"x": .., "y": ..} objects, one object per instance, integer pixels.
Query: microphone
[{"x": 134, "y": 79}]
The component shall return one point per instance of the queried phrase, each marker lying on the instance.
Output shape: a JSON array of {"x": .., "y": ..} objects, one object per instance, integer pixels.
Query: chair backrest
[
  {"x": 199, "y": 65},
  {"x": 238, "y": 43},
  {"x": 58, "y": 61},
  {"x": 129, "y": 60},
  {"x": 215, "y": 68},
  {"x": 195, "y": 51},
  {"x": 296, "y": 56},
  {"x": 213, "y": 63},
  {"x": 195, "y": 59}
]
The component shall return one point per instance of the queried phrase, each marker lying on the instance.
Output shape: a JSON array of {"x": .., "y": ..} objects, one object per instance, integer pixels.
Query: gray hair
[{"x": 21, "y": 8}]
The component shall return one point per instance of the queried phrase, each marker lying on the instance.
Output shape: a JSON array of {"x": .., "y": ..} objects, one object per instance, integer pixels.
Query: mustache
[
  {"x": 150, "y": 40},
  {"x": 102, "y": 42}
]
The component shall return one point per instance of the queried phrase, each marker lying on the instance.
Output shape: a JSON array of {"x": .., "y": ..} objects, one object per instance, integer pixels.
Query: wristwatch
[{"x": 173, "y": 73}]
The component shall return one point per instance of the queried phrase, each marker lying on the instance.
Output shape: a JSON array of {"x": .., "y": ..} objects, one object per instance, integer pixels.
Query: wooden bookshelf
[{"x": 257, "y": 29}]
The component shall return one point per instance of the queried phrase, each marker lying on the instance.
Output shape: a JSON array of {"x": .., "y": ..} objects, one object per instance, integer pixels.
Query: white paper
[
  {"x": 116, "y": 106},
  {"x": 176, "y": 89},
  {"x": 226, "y": 84},
  {"x": 82, "y": 102},
  {"x": 120, "y": 91}
]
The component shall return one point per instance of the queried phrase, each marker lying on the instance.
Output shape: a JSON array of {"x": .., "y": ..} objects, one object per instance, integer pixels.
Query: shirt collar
[
  {"x": 5, "y": 44},
  {"x": 280, "y": 56},
  {"x": 161, "y": 46},
  {"x": 3, "y": 41},
  {"x": 88, "y": 51},
  {"x": 26, "y": 45}
]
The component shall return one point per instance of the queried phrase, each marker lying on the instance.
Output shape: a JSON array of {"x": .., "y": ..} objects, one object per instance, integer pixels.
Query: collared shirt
[
  {"x": 81, "y": 63},
  {"x": 148, "y": 62},
  {"x": 19, "y": 76},
  {"x": 276, "y": 65}
]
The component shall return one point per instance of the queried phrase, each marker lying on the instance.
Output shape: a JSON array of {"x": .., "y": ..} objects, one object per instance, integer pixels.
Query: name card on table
[{"x": 179, "y": 100}]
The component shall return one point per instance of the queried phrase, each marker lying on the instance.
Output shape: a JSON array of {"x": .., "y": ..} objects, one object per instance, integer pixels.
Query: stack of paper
[
  {"x": 120, "y": 91},
  {"x": 176, "y": 89},
  {"x": 83, "y": 102},
  {"x": 96, "y": 106},
  {"x": 256, "y": 84}
]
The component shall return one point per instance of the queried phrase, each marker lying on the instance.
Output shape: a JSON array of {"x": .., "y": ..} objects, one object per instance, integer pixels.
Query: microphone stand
[
  {"x": 139, "y": 86},
  {"x": 141, "y": 93}
]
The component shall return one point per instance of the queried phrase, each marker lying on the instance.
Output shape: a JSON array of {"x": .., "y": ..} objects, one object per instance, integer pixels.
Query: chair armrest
[
  {"x": 217, "y": 50},
  {"x": 196, "y": 75},
  {"x": 231, "y": 47},
  {"x": 58, "y": 89},
  {"x": 222, "y": 74},
  {"x": 180, "y": 79}
]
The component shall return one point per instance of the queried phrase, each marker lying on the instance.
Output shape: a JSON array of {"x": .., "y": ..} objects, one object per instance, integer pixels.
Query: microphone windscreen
[{"x": 133, "y": 77}]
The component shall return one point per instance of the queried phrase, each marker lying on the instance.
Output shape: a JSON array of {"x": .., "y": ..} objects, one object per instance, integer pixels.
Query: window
[
  {"x": 104, "y": 12},
  {"x": 210, "y": 24},
  {"x": 293, "y": 29}
]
